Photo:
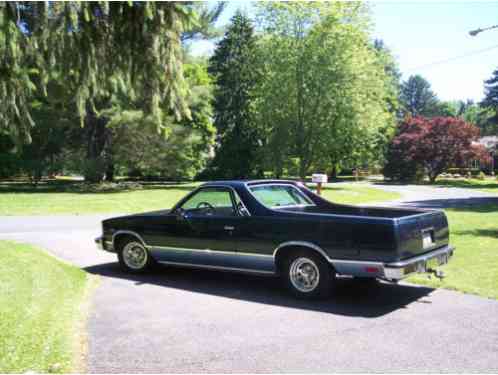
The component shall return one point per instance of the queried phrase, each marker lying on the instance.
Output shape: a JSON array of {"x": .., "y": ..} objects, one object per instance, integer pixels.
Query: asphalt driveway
[{"x": 176, "y": 320}]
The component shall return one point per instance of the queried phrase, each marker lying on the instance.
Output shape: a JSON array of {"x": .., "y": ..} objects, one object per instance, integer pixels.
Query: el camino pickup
[{"x": 284, "y": 229}]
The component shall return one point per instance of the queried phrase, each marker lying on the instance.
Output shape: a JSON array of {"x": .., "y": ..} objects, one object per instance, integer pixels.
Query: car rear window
[{"x": 275, "y": 196}]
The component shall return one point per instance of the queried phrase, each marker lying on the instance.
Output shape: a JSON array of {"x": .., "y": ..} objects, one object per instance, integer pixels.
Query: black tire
[
  {"x": 311, "y": 261},
  {"x": 143, "y": 261}
]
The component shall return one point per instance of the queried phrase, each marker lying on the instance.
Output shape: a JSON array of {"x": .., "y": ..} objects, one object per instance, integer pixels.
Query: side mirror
[{"x": 181, "y": 214}]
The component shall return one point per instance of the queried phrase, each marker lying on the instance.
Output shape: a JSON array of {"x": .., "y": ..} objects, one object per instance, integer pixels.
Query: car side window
[{"x": 210, "y": 201}]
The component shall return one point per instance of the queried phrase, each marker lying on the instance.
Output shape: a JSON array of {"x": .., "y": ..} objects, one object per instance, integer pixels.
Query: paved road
[
  {"x": 175, "y": 320},
  {"x": 436, "y": 197}
]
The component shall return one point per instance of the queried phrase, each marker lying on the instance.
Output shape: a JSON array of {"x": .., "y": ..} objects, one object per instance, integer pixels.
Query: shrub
[
  {"x": 481, "y": 176},
  {"x": 434, "y": 144}
]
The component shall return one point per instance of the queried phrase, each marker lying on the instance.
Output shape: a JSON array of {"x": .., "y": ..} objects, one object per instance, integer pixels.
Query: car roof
[{"x": 242, "y": 183}]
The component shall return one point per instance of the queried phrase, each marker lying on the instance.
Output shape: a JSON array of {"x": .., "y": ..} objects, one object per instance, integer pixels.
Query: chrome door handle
[{"x": 227, "y": 227}]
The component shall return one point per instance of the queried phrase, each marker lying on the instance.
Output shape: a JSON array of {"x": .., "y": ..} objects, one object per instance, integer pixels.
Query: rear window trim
[{"x": 249, "y": 188}]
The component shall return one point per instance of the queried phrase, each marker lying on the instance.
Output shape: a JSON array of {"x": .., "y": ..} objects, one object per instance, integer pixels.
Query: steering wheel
[{"x": 208, "y": 207}]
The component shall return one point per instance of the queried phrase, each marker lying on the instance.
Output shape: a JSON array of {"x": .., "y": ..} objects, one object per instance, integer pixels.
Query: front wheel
[
  {"x": 134, "y": 257},
  {"x": 308, "y": 275}
]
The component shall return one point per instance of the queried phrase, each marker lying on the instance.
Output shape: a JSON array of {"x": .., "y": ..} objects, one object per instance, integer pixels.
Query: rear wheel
[
  {"x": 307, "y": 275},
  {"x": 134, "y": 257}
]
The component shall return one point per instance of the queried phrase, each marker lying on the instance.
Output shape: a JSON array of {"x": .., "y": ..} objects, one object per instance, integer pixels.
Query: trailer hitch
[{"x": 437, "y": 273}]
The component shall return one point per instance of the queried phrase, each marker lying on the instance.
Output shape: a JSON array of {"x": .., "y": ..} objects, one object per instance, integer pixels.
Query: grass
[
  {"x": 474, "y": 267},
  {"x": 354, "y": 194},
  {"x": 67, "y": 198},
  {"x": 70, "y": 198},
  {"x": 40, "y": 310}
]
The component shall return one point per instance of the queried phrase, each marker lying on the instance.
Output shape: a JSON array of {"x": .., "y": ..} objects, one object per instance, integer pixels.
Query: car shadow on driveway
[{"x": 352, "y": 298}]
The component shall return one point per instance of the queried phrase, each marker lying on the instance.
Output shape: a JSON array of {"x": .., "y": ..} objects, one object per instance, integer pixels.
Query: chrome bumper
[
  {"x": 419, "y": 264},
  {"x": 104, "y": 245},
  {"x": 100, "y": 242}
]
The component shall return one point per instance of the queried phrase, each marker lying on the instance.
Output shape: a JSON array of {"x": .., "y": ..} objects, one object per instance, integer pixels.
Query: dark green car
[{"x": 281, "y": 228}]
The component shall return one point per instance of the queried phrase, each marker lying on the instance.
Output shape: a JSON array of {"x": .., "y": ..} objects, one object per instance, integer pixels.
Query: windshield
[{"x": 280, "y": 196}]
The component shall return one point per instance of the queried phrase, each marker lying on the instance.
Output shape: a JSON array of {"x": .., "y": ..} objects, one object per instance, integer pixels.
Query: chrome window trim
[
  {"x": 196, "y": 190},
  {"x": 248, "y": 187}
]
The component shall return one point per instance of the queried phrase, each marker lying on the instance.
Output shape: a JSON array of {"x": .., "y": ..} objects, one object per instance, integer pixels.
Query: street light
[{"x": 479, "y": 30}]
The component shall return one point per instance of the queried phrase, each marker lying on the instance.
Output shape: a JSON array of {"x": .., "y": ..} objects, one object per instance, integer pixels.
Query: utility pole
[{"x": 479, "y": 30}]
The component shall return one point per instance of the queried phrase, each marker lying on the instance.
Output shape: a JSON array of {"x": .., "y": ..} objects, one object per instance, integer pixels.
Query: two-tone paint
[{"x": 356, "y": 241}]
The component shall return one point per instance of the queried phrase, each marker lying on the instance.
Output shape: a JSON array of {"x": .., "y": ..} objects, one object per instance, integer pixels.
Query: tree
[
  {"x": 184, "y": 147},
  {"x": 325, "y": 91},
  {"x": 393, "y": 75},
  {"x": 233, "y": 69},
  {"x": 99, "y": 47},
  {"x": 490, "y": 103},
  {"x": 103, "y": 51},
  {"x": 432, "y": 144},
  {"x": 417, "y": 98}
]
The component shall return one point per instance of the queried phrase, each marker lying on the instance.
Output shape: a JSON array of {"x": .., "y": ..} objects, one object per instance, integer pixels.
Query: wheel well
[
  {"x": 285, "y": 251},
  {"x": 121, "y": 239}
]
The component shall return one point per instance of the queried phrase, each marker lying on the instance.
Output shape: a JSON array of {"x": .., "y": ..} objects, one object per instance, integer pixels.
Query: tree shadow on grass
[
  {"x": 78, "y": 187},
  {"x": 351, "y": 298},
  {"x": 479, "y": 232},
  {"x": 473, "y": 204},
  {"x": 465, "y": 184}
]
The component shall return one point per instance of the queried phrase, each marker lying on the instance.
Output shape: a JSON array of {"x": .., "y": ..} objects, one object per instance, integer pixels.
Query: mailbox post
[{"x": 319, "y": 179}]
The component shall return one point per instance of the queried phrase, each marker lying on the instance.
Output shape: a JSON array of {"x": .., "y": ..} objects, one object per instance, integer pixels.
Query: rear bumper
[{"x": 399, "y": 270}]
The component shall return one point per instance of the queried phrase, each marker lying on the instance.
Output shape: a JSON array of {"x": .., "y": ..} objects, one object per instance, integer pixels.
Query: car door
[{"x": 201, "y": 230}]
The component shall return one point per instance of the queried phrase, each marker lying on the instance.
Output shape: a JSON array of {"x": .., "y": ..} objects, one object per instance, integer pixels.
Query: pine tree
[
  {"x": 490, "y": 100},
  {"x": 417, "y": 97},
  {"x": 99, "y": 48},
  {"x": 235, "y": 76}
]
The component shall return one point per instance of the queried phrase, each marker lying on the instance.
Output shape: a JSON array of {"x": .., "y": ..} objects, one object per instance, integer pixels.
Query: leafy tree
[
  {"x": 432, "y": 144},
  {"x": 233, "y": 69},
  {"x": 104, "y": 52},
  {"x": 417, "y": 98},
  {"x": 393, "y": 75},
  {"x": 9, "y": 160},
  {"x": 325, "y": 90},
  {"x": 55, "y": 119},
  {"x": 477, "y": 115},
  {"x": 182, "y": 148}
]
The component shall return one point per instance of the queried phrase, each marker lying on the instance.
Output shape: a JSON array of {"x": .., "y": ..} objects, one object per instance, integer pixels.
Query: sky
[{"x": 423, "y": 36}]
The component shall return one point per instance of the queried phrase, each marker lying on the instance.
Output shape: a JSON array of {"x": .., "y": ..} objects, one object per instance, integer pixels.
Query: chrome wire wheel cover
[
  {"x": 135, "y": 255},
  {"x": 304, "y": 275}
]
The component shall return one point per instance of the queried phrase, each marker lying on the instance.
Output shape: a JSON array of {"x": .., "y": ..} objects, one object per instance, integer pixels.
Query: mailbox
[{"x": 319, "y": 178}]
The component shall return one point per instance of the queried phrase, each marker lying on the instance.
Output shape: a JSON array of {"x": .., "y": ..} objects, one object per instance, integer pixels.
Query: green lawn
[
  {"x": 474, "y": 268},
  {"x": 488, "y": 185},
  {"x": 357, "y": 194},
  {"x": 474, "y": 232},
  {"x": 40, "y": 311},
  {"x": 69, "y": 198},
  {"x": 63, "y": 198}
]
